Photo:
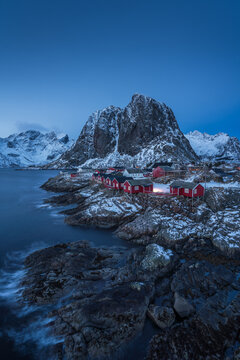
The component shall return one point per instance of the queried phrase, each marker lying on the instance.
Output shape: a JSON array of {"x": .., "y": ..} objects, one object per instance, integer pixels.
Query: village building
[
  {"x": 224, "y": 175},
  {"x": 100, "y": 177},
  {"x": 100, "y": 171},
  {"x": 95, "y": 176},
  {"x": 115, "y": 169},
  {"x": 118, "y": 182},
  {"x": 186, "y": 188},
  {"x": 133, "y": 172},
  {"x": 147, "y": 172},
  {"x": 160, "y": 171},
  {"x": 109, "y": 180},
  {"x": 136, "y": 186}
]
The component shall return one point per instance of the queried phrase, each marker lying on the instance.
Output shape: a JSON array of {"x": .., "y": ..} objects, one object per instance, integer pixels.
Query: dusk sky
[{"x": 61, "y": 60}]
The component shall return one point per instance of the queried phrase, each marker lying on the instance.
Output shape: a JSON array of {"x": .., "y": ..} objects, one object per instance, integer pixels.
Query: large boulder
[
  {"x": 163, "y": 317},
  {"x": 155, "y": 257},
  {"x": 182, "y": 306},
  {"x": 220, "y": 198},
  {"x": 142, "y": 228}
]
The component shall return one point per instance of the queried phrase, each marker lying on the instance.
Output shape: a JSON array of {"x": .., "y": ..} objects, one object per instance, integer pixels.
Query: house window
[
  {"x": 136, "y": 187},
  {"x": 129, "y": 188},
  {"x": 195, "y": 191},
  {"x": 116, "y": 185},
  {"x": 186, "y": 191},
  {"x": 125, "y": 187}
]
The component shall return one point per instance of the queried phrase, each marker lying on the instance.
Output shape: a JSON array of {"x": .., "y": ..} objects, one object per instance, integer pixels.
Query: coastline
[{"x": 199, "y": 278}]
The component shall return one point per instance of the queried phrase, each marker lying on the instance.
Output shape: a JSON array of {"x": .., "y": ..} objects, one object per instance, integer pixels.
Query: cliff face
[{"x": 143, "y": 132}]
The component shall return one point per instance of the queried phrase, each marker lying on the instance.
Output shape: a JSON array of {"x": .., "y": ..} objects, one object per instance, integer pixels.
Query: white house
[{"x": 134, "y": 173}]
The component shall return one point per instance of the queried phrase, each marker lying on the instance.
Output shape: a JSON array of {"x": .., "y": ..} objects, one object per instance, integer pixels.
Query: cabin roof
[
  {"x": 134, "y": 171},
  {"x": 142, "y": 182},
  {"x": 162, "y": 163},
  {"x": 183, "y": 184},
  {"x": 116, "y": 167},
  {"x": 166, "y": 168},
  {"x": 122, "y": 179}
]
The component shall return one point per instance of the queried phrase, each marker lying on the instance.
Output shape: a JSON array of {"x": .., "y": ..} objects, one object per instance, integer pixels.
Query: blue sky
[{"x": 61, "y": 60}]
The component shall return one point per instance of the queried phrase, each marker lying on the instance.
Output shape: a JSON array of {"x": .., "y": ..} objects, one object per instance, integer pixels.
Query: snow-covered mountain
[
  {"x": 215, "y": 147},
  {"x": 32, "y": 148},
  {"x": 143, "y": 132}
]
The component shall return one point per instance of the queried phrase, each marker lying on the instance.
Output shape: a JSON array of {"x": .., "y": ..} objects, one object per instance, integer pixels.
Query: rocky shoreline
[{"x": 183, "y": 273}]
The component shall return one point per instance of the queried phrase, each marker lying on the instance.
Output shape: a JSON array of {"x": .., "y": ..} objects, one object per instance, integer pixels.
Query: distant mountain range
[
  {"x": 143, "y": 132},
  {"x": 31, "y": 148},
  {"x": 215, "y": 147}
]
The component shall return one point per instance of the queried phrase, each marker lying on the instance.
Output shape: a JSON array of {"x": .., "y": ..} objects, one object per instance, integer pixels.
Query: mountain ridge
[
  {"x": 32, "y": 148},
  {"x": 215, "y": 147}
]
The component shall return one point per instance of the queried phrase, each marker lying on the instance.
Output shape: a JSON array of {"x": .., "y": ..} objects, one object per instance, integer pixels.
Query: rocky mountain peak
[{"x": 144, "y": 131}]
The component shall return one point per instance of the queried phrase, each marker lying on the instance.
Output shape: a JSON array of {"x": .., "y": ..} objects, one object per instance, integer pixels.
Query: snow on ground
[
  {"x": 226, "y": 229},
  {"x": 212, "y": 184},
  {"x": 161, "y": 188},
  {"x": 99, "y": 204}
]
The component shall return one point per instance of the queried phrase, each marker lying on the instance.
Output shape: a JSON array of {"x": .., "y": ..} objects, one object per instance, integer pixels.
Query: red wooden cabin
[
  {"x": 118, "y": 182},
  {"x": 162, "y": 171},
  {"x": 116, "y": 169},
  {"x": 109, "y": 181},
  {"x": 138, "y": 186},
  {"x": 185, "y": 188},
  {"x": 94, "y": 176}
]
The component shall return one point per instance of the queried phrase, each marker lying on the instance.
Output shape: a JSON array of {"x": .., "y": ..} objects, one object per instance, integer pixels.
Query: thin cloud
[{"x": 24, "y": 126}]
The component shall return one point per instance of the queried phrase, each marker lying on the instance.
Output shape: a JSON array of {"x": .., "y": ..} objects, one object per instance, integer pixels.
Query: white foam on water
[
  {"x": 28, "y": 326},
  {"x": 43, "y": 206},
  {"x": 10, "y": 284}
]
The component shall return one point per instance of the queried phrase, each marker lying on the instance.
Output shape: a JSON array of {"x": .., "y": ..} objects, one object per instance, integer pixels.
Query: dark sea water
[{"x": 26, "y": 224}]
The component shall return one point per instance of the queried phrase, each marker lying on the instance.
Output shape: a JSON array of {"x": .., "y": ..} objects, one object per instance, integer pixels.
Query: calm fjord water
[{"x": 26, "y": 225}]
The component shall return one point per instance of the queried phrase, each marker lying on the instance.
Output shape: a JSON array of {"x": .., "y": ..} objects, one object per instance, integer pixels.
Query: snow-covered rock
[
  {"x": 226, "y": 230},
  {"x": 155, "y": 257},
  {"x": 32, "y": 148},
  {"x": 104, "y": 210},
  {"x": 214, "y": 147},
  {"x": 143, "y": 132}
]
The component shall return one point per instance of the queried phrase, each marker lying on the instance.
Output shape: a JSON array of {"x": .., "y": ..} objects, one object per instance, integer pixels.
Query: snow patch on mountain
[
  {"x": 31, "y": 148},
  {"x": 219, "y": 146}
]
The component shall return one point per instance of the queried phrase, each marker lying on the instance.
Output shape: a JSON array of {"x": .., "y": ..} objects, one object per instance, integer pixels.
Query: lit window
[
  {"x": 136, "y": 187},
  {"x": 186, "y": 191},
  {"x": 129, "y": 188}
]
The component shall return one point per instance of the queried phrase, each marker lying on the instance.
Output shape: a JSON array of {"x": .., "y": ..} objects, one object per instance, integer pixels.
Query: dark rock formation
[
  {"x": 144, "y": 125},
  {"x": 62, "y": 183},
  {"x": 222, "y": 198},
  {"x": 105, "y": 295}
]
